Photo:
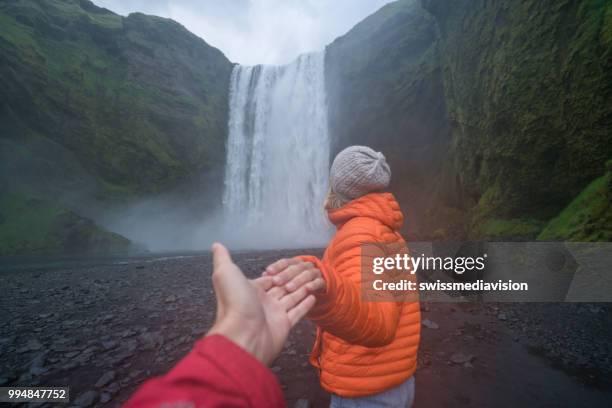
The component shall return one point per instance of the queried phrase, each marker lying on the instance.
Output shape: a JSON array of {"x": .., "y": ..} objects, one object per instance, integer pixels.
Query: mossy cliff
[
  {"x": 494, "y": 115},
  {"x": 29, "y": 226},
  {"x": 588, "y": 217},
  {"x": 96, "y": 108},
  {"x": 528, "y": 90},
  {"x": 384, "y": 88}
]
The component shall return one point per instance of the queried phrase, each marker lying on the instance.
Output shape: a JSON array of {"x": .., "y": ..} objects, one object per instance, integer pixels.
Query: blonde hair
[{"x": 334, "y": 200}]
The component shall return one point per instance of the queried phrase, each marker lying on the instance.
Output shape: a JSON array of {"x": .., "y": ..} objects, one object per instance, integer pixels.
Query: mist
[{"x": 164, "y": 224}]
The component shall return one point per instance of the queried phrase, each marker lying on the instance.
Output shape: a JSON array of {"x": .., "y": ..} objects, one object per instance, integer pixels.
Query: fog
[{"x": 165, "y": 224}]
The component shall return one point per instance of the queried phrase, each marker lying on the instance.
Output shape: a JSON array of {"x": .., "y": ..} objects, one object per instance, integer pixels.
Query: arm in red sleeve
[{"x": 216, "y": 373}]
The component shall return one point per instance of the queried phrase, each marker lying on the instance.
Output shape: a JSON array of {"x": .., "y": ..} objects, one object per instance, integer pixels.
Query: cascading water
[{"x": 278, "y": 146}]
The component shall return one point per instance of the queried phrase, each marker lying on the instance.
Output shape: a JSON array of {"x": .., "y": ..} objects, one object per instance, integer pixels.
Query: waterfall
[{"x": 278, "y": 146}]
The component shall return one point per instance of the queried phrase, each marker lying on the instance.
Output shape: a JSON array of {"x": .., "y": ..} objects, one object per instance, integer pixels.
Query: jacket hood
[{"x": 381, "y": 206}]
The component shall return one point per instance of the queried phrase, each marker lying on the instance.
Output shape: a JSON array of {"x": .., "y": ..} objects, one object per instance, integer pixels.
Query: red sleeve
[{"x": 216, "y": 373}]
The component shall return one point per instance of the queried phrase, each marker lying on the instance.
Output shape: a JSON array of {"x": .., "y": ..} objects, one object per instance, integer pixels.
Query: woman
[{"x": 365, "y": 351}]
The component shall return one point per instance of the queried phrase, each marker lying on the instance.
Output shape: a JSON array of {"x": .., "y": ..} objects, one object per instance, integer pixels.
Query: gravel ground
[
  {"x": 104, "y": 326},
  {"x": 574, "y": 337}
]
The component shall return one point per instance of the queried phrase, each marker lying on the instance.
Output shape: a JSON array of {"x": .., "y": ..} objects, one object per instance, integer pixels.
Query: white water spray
[{"x": 278, "y": 147}]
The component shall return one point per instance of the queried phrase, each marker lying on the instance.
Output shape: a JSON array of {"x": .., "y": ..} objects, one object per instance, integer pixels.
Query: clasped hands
[{"x": 257, "y": 314}]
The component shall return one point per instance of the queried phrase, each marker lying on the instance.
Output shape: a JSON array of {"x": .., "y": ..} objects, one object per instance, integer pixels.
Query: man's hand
[
  {"x": 295, "y": 275},
  {"x": 255, "y": 314}
]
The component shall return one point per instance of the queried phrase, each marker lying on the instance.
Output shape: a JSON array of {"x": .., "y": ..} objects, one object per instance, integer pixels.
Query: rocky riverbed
[{"x": 103, "y": 327}]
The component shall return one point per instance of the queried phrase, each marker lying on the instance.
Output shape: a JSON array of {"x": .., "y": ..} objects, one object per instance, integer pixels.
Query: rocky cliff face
[
  {"x": 528, "y": 89},
  {"x": 495, "y": 115},
  {"x": 97, "y": 108},
  {"x": 385, "y": 90}
]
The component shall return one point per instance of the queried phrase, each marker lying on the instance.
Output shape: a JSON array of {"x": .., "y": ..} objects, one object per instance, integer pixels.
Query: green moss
[
  {"x": 26, "y": 225},
  {"x": 510, "y": 228},
  {"x": 30, "y": 225},
  {"x": 109, "y": 109},
  {"x": 140, "y": 101},
  {"x": 588, "y": 218},
  {"x": 527, "y": 86},
  {"x": 490, "y": 201},
  {"x": 524, "y": 87},
  {"x": 606, "y": 29}
]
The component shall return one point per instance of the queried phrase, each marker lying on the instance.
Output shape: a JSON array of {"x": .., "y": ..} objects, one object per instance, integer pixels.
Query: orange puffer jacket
[{"x": 362, "y": 348}]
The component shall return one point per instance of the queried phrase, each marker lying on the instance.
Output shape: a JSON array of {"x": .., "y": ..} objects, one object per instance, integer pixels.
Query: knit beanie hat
[{"x": 359, "y": 170}]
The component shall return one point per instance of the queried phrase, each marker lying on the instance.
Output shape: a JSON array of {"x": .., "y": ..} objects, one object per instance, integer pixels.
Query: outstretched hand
[
  {"x": 295, "y": 275},
  {"x": 255, "y": 314}
]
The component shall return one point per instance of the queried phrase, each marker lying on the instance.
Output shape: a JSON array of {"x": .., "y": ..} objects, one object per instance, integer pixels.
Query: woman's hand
[
  {"x": 295, "y": 275},
  {"x": 254, "y": 314}
]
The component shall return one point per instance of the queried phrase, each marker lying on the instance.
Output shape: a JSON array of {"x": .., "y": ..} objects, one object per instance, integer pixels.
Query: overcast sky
[{"x": 258, "y": 31}]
